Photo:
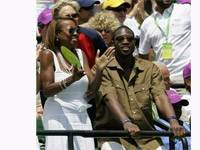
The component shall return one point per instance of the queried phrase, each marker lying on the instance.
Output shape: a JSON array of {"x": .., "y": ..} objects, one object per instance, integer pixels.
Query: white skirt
[{"x": 68, "y": 121}]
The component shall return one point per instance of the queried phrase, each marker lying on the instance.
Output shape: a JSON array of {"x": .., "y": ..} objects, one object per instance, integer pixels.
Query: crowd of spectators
[{"x": 130, "y": 52}]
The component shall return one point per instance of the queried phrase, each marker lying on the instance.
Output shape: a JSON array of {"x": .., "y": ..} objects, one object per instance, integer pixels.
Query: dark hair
[
  {"x": 53, "y": 29},
  {"x": 40, "y": 24}
]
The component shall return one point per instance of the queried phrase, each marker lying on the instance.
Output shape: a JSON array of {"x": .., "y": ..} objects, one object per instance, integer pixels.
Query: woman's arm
[{"x": 49, "y": 86}]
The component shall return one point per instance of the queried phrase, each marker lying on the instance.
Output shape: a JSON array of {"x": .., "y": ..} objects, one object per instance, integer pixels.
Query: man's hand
[
  {"x": 178, "y": 130},
  {"x": 131, "y": 128}
]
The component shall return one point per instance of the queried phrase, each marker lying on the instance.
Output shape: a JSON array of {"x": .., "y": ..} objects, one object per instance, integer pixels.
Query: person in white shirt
[{"x": 168, "y": 31}]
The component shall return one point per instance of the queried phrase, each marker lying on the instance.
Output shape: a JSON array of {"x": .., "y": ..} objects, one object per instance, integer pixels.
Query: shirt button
[
  {"x": 131, "y": 99},
  {"x": 142, "y": 88},
  {"x": 134, "y": 112}
]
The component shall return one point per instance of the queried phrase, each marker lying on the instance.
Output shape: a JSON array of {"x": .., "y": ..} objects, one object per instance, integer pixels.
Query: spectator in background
[
  {"x": 43, "y": 21},
  {"x": 168, "y": 82},
  {"x": 187, "y": 82},
  {"x": 88, "y": 40},
  {"x": 105, "y": 23},
  {"x": 168, "y": 31},
  {"x": 86, "y": 11},
  {"x": 165, "y": 74},
  {"x": 177, "y": 104},
  {"x": 64, "y": 85},
  {"x": 123, "y": 101}
]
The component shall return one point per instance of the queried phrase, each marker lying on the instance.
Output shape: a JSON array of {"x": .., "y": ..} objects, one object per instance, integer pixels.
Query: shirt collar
[{"x": 137, "y": 65}]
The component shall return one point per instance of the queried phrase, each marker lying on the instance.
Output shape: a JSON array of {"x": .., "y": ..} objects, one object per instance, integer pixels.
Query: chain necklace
[{"x": 68, "y": 70}]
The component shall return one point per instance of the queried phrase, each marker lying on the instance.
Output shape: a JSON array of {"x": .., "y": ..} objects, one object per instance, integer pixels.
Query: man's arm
[
  {"x": 145, "y": 56},
  {"x": 165, "y": 107},
  {"x": 111, "y": 101}
]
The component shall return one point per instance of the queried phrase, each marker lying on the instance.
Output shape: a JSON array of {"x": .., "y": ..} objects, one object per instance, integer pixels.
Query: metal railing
[
  {"x": 110, "y": 134},
  {"x": 177, "y": 85}
]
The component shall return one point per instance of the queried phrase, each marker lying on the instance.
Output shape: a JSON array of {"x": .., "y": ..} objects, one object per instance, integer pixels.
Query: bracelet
[
  {"x": 172, "y": 117},
  {"x": 64, "y": 84},
  {"x": 125, "y": 121},
  {"x": 61, "y": 86}
]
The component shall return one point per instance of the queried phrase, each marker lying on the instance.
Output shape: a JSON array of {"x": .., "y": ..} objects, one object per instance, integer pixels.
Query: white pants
[{"x": 116, "y": 146}]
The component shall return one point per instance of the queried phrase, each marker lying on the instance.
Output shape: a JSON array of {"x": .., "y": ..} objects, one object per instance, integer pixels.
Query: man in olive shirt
[{"x": 124, "y": 98}]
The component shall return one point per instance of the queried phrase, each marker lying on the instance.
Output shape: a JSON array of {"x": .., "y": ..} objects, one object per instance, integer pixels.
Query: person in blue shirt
[{"x": 177, "y": 104}]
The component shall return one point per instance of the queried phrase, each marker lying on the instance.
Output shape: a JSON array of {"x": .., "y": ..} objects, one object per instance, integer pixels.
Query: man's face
[
  {"x": 86, "y": 13},
  {"x": 164, "y": 3},
  {"x": 124, "y": 42},
  {"x": 120, "y": 13},
  {"x": 166, "y": 77}
]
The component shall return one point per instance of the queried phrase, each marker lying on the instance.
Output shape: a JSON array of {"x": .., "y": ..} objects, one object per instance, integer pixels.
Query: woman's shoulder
[{"x": 47, "y": 55}]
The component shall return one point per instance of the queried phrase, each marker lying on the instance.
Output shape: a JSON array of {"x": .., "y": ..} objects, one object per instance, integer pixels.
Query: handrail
[
  {"x": 177, "y": 85},
  {"x": 105, "y": 134}
]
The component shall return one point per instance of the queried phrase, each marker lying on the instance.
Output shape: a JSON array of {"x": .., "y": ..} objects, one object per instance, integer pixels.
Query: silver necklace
[{"x": 68, "y": 70}]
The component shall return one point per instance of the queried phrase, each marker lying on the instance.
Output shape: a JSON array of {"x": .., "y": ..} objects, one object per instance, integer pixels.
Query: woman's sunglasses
[
  {"x": 105, "y": 30},
  {"x": 71, "y": 30}
]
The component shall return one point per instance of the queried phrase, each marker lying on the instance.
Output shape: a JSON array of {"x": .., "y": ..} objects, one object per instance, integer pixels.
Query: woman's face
[
  {"x": 106, "y": 35},
  {"x": 68, "y": 11},
  {"x": 68, "y": 34}
]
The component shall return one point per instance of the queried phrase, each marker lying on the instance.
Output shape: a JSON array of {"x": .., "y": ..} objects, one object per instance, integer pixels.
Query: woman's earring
[{"x": 57, "y": 39}]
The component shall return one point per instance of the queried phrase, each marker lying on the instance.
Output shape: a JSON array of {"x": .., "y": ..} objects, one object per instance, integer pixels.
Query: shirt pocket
[
  {"x": 179, "y": 26},
  {"x": 142, "y": 93},
  {"x": 119, "y": 86}
]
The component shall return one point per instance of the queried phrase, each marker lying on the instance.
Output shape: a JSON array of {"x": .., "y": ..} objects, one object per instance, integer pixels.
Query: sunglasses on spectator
[
  {"x": 88, "y": 8},
  {"x": 76, "y": 15},
  {"x": 118, "y": 9},
  {"x": 129, "y": 38},
  {"x": 71, "y": 30},
  {"x": 105, "y": 30}
]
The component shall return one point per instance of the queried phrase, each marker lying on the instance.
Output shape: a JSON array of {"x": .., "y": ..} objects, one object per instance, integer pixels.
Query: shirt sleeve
[
  {"x": 106, "y": 84},
  {"x": 157, "y": 85},
  {"x": 144, "y": 44}
]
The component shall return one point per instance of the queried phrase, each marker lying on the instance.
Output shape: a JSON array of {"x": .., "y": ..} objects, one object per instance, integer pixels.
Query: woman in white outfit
[{"x": 65, "y": 86}]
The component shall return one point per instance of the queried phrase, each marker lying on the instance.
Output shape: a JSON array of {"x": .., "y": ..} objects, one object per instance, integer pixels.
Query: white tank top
[{"x": 73, "y": 96}]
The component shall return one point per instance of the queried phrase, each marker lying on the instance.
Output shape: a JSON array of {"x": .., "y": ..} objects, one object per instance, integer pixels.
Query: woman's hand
[
  {"x": 107, "y": 57},
  {"x": 77, "y": 73}
]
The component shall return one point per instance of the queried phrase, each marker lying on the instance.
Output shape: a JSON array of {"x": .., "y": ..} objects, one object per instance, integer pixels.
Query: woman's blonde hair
[
  {"x": 103, "y": 20},
  {"x": 58, "y": 5}
]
